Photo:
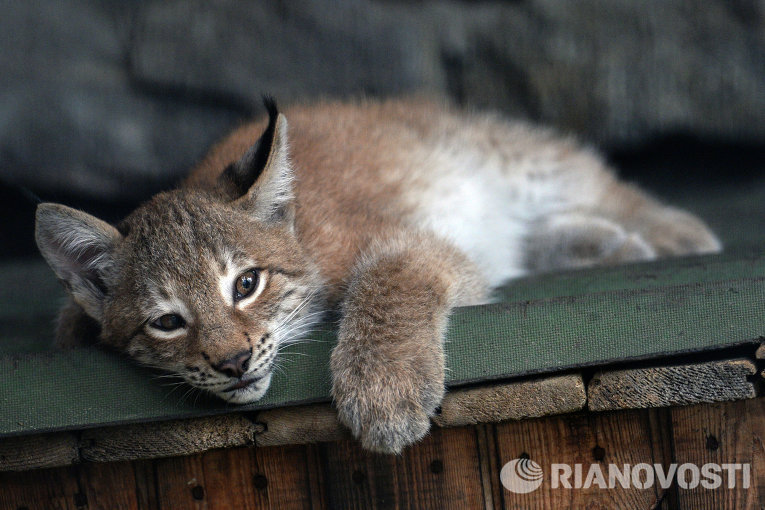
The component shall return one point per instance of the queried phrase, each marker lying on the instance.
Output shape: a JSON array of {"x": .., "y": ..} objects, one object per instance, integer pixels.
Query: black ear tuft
[
  {"x": 273, "y": 112},
  {"x": 246, "y": 171}
]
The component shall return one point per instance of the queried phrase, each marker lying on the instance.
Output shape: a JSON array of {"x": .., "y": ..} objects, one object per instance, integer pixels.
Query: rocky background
[{"x": 104, "y": 102}]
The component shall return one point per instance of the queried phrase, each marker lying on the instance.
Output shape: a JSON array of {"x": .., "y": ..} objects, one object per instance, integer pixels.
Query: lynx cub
[{"x": 390, "y": 212}]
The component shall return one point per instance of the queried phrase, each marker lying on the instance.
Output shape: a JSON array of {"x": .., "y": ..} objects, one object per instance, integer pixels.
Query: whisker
[
  {"x": 176, "y": 386},
  {"x": 287, "y": 329},
  {"x": 306, "y": 300},
  {"x": 294, "y": 332},
  {"x": 299, "y": 307},
  {"x": 305, "y": 319},
  {"x": 302, "y": 340},
  {"x": 292, "y": 344},
  {"x": 188, "y": 392},
  {"x": 278, "y": 369},
  {"x": 166, "y": 376},
  {"x": 296, "y": 354}
]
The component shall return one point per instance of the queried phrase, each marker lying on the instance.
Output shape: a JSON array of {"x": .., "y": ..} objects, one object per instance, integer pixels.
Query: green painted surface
[
  {"x": 741, "y": 263},
  {"x": 82, "y": 388},
  {"x": 548, "y": 323},
  {"x": 555, "y": 333}
]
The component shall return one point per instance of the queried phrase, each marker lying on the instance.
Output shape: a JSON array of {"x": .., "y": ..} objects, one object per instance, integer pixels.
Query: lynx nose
[{"x": 236, "y": 366}]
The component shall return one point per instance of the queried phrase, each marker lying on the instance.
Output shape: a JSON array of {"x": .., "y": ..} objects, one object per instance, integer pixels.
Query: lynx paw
[
  {"x": 385, "y": 407},
  {"x": 676, "y": 232},
  {"x": 580, "y": 240},
  {"x": 387, "y": 422},
  {"x": 386, "y": 432}
]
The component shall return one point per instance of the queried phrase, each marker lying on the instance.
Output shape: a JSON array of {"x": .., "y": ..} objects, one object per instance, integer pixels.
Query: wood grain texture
[
  {"x": 512, "y": 401},
  {"x": 618, "y": 438},
  {"x": 166, "y": 438},
  {"x": 228, "y": 480},
  {"x": 42, "y": 489},
  {"x": 451, "y": 468},
  {"x": 731, "y": 433},
  {"x": 241, "y": 478},
  {"x": 660, "y": 433},
  {"x": 632, "y": 388},
  {"x": 34, "y": 452},
  {"x": 181, "y": 482},
  {"x": 441, "y": 472},
  {"x": 299, "y": 425},
  {"x": 257, "y": 478},
  {"x": 286, "y": 475},
  {"x": 489, "y": 464},
  {"x": 110, "y": 486},
  {"x": 145, "y": 475},
  {"x": 316, "y": 478}
]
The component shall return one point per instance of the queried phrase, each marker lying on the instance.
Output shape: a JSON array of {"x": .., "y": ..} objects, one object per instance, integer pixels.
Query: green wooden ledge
[{"x": 543, "y": 324}]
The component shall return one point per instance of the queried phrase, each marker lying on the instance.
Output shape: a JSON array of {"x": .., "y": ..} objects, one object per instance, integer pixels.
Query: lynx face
[
  {"x": 209, "y": 293},
  {"x": 206, "y": 285}
]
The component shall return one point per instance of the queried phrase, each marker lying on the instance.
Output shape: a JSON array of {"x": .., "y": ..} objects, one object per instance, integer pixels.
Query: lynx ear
[
  {"x": 262, "y": 179},
  {"x": 78, "y": 247}
]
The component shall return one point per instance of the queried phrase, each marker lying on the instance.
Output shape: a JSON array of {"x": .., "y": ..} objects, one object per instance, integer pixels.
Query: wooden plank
[
  {"x": 298, "y": 425},
  {"x": 181, "y": 483},
  {"x": 512, "y": 401},
  {"x": 42, "y": 489},
  {"x": 166, "y": 438},
  {"x": 451, "y": 468},
  {"x": 229, "y": 480},
  {"x": 347, "y": 471},
  {"x": 730, "y": 433},
  {"x": 486, "y": 442},
  {"x": 110, "y": 485},
  {"x": 316, "y": 480},
  {"x": 712, "y": 381},
  {"x": 618, "y": 438},
  {"x": 146, "y": 485},
  {"x": 256, "y": 478},
  {"x": 281, "y": 475},
  {"x": 660, "y": 433},
  {"x": 242, "y": 478},
  {"x": 754, "y": 411},
  {"x": 52, "y": 450},
  {"x": 441, "y": 472}
]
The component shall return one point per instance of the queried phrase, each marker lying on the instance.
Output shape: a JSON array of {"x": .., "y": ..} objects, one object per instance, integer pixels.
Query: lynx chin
[{"x": 391, "y": 213}]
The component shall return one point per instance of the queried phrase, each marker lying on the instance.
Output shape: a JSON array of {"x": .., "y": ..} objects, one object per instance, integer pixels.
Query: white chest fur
[{"x": 486, "y": 204}]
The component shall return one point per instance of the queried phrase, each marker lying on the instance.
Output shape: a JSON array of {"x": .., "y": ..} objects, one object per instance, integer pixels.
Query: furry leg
[{"x": 388, "y": 366}]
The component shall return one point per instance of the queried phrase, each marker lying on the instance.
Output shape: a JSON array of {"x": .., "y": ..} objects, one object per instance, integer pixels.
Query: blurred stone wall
[{"x": 113, "y": 99}]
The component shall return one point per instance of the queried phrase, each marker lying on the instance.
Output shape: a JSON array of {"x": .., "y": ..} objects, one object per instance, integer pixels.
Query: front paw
[
  {"x": 676, "y": 232},
  {"x": 386, "y": 406}
]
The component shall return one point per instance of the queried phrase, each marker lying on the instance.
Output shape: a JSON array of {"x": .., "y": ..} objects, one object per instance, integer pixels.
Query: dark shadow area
[
  {"x": 723, "y": 183},
  {"x": 17, "y": 208},
  {"x": 674, "y": 163}
]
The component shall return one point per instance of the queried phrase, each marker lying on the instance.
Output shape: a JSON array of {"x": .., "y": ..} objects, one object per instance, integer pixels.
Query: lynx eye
[
  {"x": 169, "y": 322},
  {"x": 246, "y": 283}
]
